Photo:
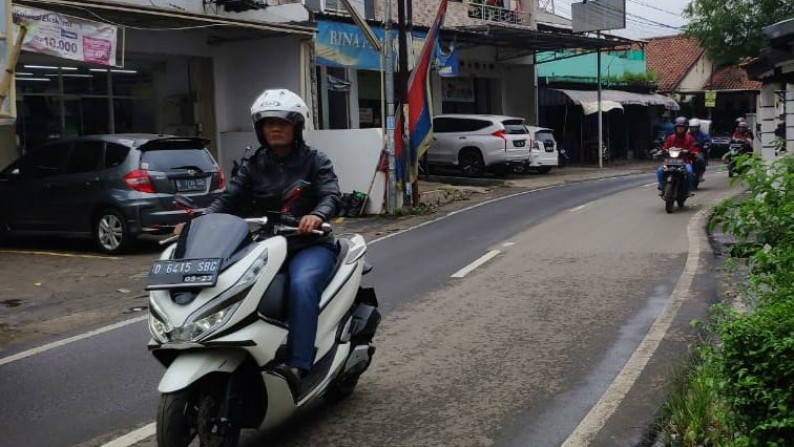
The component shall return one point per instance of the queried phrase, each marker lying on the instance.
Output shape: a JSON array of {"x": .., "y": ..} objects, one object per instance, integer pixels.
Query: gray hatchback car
[{"x": 112, "y": 188}]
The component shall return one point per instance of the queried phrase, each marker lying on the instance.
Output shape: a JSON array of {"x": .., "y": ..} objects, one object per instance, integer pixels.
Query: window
[
  {"x": 115, "y": 154},
  {"x": 45, "y": 161},
  {"x": 515, "y": 127},
  {"x": 443, "y": 125},
  {"x": 84, "y": 157},
  {"x": 171, "y": 159}
]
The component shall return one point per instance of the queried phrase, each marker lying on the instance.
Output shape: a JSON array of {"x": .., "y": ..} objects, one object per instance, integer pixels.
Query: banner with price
[{"x": 67, "y": 37}]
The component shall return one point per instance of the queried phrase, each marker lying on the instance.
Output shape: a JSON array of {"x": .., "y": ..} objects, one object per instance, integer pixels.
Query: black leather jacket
[{"x": 264, "y": 179}]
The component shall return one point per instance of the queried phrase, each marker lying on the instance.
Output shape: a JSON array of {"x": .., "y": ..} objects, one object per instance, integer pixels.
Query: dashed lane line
[{"x": 473, "y": 266}]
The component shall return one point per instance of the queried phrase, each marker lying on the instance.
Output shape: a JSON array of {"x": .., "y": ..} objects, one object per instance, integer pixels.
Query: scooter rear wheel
[{"x": 340, "y": 389}]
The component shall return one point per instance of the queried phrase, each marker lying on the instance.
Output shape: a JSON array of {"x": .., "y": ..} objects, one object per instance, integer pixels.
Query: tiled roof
[
  {"x": 731, "y": 78},
  {"x": 672, "y": 57}
]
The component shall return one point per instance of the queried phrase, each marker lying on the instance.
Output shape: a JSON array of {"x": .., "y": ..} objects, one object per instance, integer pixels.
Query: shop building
[{"x": 183, "y": 68}]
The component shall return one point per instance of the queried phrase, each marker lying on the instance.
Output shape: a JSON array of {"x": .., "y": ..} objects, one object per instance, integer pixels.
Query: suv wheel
[
  {"x": 110, "y": 231},
  {"x": 471, "y": 163}
]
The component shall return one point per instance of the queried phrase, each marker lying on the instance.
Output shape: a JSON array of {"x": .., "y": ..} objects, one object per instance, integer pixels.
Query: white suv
[
  {"x": 479, "y": 143},
  {"x": 543, "y": 154}
]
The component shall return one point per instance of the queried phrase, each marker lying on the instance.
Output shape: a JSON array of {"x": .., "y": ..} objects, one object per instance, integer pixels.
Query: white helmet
[
  {"x": 280, "y": 103},
  {"x": 694, "y": 122}
]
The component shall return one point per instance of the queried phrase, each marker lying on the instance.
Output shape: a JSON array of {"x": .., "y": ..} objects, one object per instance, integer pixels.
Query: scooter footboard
[{"x": 189, "y": 367}]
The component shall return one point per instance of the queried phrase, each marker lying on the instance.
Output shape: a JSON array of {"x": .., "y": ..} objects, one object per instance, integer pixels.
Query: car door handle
[
  {"x": 92, "y": 181},
  {"x": 461, "y": 138}
]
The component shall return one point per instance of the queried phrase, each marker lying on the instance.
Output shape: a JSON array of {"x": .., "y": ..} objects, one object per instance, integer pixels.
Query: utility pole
[
  {"x": 600, "y": 113},
  {"x": 388, "y": 53}
]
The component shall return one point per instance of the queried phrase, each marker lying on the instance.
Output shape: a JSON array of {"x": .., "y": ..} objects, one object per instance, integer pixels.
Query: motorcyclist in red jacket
[{"x": 683, "y": 140}]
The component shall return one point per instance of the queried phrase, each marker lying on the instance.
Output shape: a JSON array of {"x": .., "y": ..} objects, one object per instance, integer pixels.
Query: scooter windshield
[{"x": 213, "y": 236}]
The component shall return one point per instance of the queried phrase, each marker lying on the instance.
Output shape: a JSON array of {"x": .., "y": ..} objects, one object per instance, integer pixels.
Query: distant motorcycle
[
  {"x": 674, "y": 188},
  {"x": 735, "y": 150}
]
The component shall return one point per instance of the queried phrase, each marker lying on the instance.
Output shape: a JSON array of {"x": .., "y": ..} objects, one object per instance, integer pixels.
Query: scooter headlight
[
  {"x": 675, "y": 153},
  {"x": 199, "y": 328},
  {"x": 158, "y": 328}
]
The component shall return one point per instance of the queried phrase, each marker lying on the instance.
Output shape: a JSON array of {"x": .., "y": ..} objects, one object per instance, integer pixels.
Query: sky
[{"x": 645, "y": 18}]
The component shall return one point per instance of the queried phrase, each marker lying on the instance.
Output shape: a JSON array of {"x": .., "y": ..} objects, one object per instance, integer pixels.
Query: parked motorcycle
[
  {"x": 675, "y": 188},
  {"x": 218, "y": 321},
  {"x": 735, "y": 150}
]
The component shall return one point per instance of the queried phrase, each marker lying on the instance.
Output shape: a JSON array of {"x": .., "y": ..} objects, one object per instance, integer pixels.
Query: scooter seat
[{"x": 273, "y": 304}]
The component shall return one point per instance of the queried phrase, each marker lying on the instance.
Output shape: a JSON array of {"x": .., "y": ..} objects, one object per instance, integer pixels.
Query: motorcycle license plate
[
  {"x": 184, "y": 274},
  {"x": 674, "y": 162}
]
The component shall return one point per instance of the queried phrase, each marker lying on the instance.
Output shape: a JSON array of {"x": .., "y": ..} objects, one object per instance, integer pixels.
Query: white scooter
[{"x": 217, "y": 316}]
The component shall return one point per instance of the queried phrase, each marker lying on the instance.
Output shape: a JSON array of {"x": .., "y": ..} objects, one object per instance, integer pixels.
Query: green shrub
[{"x": 757, "y": 357}]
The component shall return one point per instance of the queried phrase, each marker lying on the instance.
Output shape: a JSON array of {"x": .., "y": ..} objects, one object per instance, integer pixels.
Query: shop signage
[
  {"x": 344, "y": 45},
  {"x": 67, "y": 37},
  {"x": 711, "y": 98}
]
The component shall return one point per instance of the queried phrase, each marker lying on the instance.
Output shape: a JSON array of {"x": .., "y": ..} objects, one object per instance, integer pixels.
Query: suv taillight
[
  {"x": 221, "y": 178},
  {"x": 501, "y": 134},
  {"x": 139, "y": 180}
]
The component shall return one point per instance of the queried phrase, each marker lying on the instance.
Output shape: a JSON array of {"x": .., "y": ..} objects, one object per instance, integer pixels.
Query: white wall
[
  {"x": 697, "y": 76},
  {"x": 353, "y": 152},
  {"x": 242, "y": 71}
]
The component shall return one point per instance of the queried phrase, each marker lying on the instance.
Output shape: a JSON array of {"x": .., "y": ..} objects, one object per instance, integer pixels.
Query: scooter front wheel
[{"x": 191, "y": 417}]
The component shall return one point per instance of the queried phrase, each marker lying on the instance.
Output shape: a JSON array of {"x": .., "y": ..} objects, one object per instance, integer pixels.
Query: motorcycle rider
[
  {"x": 279, "y": 117},
  {"x": 683, "y": 140},
  {"x": 703, "y": 141},
  {"x": 742, "y": 134}
]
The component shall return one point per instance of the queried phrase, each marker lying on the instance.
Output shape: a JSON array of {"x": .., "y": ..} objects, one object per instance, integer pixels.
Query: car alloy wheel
[{"x": 111, "y": 231}]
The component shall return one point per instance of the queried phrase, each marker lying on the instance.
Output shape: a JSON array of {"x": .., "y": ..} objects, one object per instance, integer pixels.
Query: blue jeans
[
  {"x": 690, "y": 177},
  {"x": 309, "y": 272}
]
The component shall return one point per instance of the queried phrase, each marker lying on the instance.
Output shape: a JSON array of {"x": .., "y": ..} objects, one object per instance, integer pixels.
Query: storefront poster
[
  {"x": 67, "y": 37},
  {"x": 457, "y": 90}
]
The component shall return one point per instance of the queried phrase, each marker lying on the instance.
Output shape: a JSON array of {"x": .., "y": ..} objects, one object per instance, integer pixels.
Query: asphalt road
[{"x": 512, "y": 354}]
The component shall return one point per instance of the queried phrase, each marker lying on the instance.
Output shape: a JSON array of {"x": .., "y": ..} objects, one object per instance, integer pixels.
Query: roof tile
[
  {"x": 671, "y": 58},
  {"x": 731, "y": 78}
]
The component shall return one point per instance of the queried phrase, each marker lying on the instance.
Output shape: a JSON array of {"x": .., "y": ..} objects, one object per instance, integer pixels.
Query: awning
[
  {"x": 143, "y": 16},
  {"x": 521, "y": 38},
  {"x": 558, "y": 97},
  {"x": 591, "y": 107}
]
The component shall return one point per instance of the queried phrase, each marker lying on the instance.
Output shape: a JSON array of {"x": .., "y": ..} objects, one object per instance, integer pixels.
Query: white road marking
[
  {"x": 598, "y": 416},
  {"x": 63, "y": 255},
  {"x": 579, "y": 208},
  {"x": 133, "y": 437},
  {"x": 471, "y": 267},
  {"x": 648, "y": 185},
  {"x": 508, "y": 244},
  {"x": 66, "y": 341}
]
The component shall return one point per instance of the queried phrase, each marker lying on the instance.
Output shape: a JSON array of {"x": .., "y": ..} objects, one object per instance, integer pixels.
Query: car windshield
[
  {"x": 515, "y": 127},
  {"x": 177, "y": 159}
]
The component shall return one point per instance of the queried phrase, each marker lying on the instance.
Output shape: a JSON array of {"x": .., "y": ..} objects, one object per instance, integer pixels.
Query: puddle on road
[{"x": 11, "y": 303}]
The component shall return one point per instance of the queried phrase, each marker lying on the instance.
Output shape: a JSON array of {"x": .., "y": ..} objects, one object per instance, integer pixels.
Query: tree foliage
[{"x": 732, "y": 29}]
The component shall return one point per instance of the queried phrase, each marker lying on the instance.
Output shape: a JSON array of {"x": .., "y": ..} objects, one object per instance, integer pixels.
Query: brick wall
[{"x": 424, "y": 12}]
